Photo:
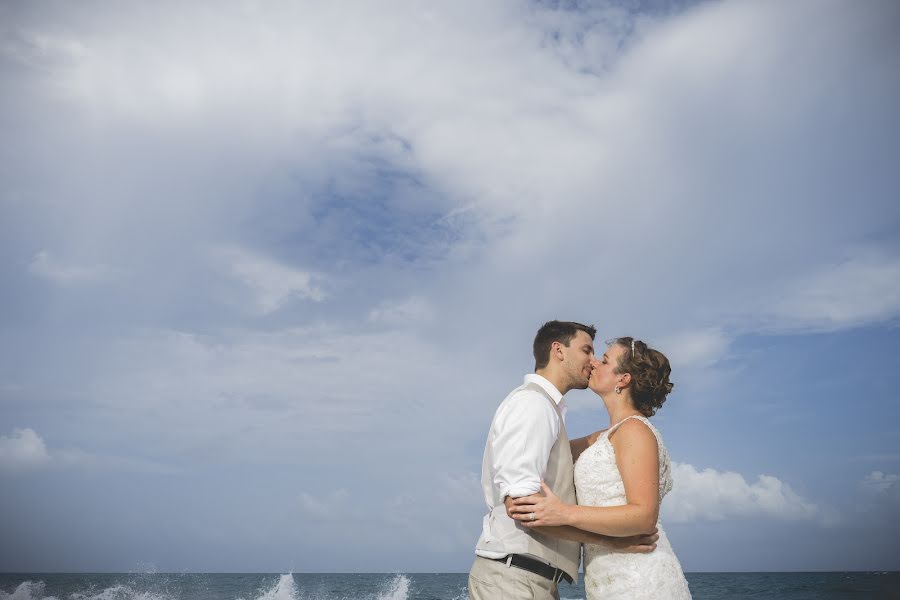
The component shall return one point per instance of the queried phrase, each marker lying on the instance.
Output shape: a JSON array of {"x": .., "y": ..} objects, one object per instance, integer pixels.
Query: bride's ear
[{"x": 625, "y": 380}]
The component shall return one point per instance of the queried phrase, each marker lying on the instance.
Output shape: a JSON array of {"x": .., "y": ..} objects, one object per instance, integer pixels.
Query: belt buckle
[{"x": 557, "y": 575}]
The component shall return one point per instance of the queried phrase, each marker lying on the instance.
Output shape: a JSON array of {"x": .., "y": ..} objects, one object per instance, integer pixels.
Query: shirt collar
[{"x": 548, "y": 387}]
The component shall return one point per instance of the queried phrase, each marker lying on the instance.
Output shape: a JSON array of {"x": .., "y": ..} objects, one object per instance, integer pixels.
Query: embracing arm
[
  {"x": 522, "y": 444},
  {"x": 637, "y": 458},
  {"x": 634, "y": 544},
  {"x": 522, "y": 437}
]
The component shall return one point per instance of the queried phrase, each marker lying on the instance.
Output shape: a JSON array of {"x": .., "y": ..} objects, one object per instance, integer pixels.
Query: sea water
[{"x": 410, "y": 586}]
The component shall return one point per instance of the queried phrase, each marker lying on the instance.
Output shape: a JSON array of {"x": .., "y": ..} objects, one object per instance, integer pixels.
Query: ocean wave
[
  {"x": 286, "y": 589},
  {"x": 27, "y": 590},
  {"x": 120, "y": 592},
  {"x": 34, "y": 590},
  {"x": 397, "y": 588}
]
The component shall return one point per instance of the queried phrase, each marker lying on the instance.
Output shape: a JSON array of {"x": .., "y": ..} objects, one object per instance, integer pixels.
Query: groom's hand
[{"x": 635, "y": 544}]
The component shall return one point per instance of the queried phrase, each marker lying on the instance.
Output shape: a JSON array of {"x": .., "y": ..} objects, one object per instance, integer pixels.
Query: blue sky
[{"x": 269, "y": 268}]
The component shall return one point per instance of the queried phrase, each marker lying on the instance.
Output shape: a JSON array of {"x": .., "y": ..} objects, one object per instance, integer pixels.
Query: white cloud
[
  {"x": 42, "y": 50},
  {"x": 859, "y": 290},
  {"x": 879, "y": 504},
  {"x": 47, "y": 267},
  {"x": 411, "y": 311},
  {"x": 640, "y": 182},
  {"x": 694, "y": 349},
  {"x": 460, "y": 489},
  {"x": 879, "y": 457},
  {"x": 283, "y": 393},
  {"x": 476, "y": 131},
  {"x": 272, "y": 283},
  {"x": 79, "y": 459},
  {"x": 328, "y": 506},
  {"x": 23, "y": 449},
  {"x": 711, "y": 495},
  {"x": 877, "y": 481}
]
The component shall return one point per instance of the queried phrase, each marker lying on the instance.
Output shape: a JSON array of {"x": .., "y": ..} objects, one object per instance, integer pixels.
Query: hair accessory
[{"x": 632, "y": 349}]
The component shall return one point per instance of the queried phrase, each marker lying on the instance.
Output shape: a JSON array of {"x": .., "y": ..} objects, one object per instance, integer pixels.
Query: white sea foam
[
  {"x": 398, "y": 589},
  {"x": 119, "y": 592},
  {"x": 27, "y": 590},
  {"x": 285, "y": 589},
  {"x": 34, "y": 590},
  {"x": 463, "y": 594}
]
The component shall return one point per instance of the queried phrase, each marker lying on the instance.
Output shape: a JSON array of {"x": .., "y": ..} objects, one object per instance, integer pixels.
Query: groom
[{"x": 527, "y": 443}]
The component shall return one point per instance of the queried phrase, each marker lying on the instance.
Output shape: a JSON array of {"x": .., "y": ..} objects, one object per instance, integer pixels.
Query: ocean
[{"x": 408, "y": 586}]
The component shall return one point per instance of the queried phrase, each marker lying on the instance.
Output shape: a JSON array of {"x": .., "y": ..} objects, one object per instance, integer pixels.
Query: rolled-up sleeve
[{"x": 522, "y": 439}]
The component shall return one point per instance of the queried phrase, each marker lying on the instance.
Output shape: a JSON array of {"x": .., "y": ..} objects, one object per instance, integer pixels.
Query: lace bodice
[
  {"x": 597, "y": 478},
  {"x": 609, "y": 574}
]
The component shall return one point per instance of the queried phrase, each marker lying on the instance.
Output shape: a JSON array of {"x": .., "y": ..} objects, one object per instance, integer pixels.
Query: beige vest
[{"x": 506, "y": 536}]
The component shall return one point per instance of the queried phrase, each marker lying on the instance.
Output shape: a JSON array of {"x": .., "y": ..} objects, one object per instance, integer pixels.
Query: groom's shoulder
[
  {"x": 526, "y": 390},
  {"x": 528, "y": 397}
]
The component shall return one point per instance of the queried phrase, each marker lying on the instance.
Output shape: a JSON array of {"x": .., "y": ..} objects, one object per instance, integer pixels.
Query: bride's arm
[
  {"x": 635, "y": 544},
  {"x": 581, "y": 444},
  {"x": 637, "y": 457}
]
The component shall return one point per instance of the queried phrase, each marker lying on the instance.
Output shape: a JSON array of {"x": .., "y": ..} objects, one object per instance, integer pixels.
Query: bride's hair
[{"x": 649, "y": 369}]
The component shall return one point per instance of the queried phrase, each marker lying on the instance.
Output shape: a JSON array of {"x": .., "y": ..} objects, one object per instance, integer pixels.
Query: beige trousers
[{"x": 493, "y": 580}]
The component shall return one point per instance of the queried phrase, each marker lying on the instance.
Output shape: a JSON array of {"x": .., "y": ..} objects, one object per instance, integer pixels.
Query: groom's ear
[{"x": 556, "y": 350}]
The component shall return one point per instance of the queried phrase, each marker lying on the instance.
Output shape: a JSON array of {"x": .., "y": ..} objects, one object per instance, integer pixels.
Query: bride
[{"x": 621, "y": 476}]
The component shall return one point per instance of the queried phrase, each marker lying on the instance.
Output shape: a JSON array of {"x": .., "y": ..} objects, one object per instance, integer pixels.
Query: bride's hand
[{"x": 537, "y": 510}]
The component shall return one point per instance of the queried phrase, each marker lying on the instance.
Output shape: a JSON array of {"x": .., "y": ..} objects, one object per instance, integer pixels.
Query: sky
[{"x": 268, "y": 268}]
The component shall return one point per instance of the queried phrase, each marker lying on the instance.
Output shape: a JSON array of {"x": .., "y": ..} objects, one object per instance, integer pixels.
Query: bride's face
[{"x": 603, "y": 377}]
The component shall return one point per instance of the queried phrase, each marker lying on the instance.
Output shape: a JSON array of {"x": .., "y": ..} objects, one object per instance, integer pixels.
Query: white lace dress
[{"x": 610, "y": 574}]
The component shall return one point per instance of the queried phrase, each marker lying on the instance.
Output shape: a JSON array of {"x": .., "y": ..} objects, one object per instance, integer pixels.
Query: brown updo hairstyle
[{"x": 649, "y": 369}]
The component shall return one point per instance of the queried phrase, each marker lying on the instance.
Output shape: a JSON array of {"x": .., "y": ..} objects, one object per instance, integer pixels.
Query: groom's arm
[
  {"x": 636, "y": 544},
  {"x": 523, "y": 435}
]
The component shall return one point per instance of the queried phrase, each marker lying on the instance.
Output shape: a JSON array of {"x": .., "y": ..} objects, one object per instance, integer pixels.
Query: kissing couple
[{"x": 547, "y": 496}]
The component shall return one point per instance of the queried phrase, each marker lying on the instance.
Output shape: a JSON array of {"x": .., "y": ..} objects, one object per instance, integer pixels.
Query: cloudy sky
[{"x": 269, "y": 267}]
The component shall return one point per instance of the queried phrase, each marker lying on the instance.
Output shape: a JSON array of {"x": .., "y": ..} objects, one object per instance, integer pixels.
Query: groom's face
[{"x": 577, "y": 361}]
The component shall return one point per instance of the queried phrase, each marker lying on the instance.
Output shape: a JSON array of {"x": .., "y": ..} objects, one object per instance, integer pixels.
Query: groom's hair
[{"x": 556, "y": 331}]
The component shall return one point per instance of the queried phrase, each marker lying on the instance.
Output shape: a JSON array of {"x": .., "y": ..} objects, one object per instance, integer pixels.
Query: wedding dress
[{"x": 612, "y": 574}]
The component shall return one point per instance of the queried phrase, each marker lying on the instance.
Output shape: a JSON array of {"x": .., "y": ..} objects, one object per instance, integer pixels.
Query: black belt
[{"x": 533, "y": 565}]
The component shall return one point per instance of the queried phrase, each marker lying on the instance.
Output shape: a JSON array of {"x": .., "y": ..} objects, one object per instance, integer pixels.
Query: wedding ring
[{"x": 531, "y": 517}]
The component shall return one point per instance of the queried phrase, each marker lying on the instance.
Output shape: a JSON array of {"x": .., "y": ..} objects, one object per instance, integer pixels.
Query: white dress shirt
[{"x": 522, "y": 434}]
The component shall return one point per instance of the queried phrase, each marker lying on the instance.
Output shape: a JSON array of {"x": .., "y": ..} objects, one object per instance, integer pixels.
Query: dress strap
[
  {"x": 643, "y": 420},
  {"x": 612, "y": 429}
]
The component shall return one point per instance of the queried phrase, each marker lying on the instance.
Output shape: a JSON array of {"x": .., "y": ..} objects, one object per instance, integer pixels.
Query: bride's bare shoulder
[{"x": 633, "y": 432}]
